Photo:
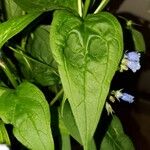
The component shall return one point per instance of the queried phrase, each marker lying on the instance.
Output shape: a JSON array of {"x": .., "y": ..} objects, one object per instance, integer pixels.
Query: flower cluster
[{"x": 131, "y": 60}]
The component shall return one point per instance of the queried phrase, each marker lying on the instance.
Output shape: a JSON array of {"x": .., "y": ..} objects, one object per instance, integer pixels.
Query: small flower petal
[
  {"x": 127, "y": 97},
  {"x": 133, "y": 56},
  {"x": 123, "y": 96},
  {"x": 133, "y": 65}
]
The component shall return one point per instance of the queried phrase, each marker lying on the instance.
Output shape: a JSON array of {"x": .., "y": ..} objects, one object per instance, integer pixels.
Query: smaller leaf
[
  {"x": 4, "y": 138},
  {"x": 27, "y": 110},
  {"x": 69, "y": 122},
  {"x": 115, "y": 138},
  {"x": 12, "y": 9},
  {"x": 38, "y": 47},
  {"x": 138, "y": 39},
  {"x": 13, "y": 26}
]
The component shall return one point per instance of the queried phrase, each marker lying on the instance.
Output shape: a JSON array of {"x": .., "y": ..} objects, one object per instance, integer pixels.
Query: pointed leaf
[
  {"x": 27, "y": 110},
  {"x": 115, "y": 138},
  {"x": 13, "y": 26},
  {"x": 45, "y": 5},
  {"x": 69, "y": 121},
  {"x": 138, "y": 39},
  {"x": 88, "y": 53},
  {"x": 38, "y": 47}
]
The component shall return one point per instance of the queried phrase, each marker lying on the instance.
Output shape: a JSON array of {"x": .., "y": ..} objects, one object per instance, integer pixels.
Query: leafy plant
[{"x": 64, "y": 64}]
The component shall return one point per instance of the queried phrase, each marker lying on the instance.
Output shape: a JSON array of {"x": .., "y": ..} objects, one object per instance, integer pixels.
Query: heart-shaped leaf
[
  {"x": 88, "y": 53},
  {"x": 115, "y": 138},
  {"x": 27, "y": 110}
]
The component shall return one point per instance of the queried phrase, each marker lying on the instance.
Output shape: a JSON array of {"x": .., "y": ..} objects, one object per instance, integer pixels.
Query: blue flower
[
  {"x": 132, "y": 56},
  {"x": 133, "y": 65},
  {"x": 127, "y": 97},
  {"x": 131, "y": 61},
  {"x": 123, "y": 96}
]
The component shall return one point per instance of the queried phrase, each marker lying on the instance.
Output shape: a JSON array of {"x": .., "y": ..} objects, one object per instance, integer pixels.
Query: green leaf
[
  {"x": 38, "y": 47},
  {"x": 45, "y": 5},
  {"x": 13, "y": 26},
  {"x": 4, "y": 138},
  {"x": 115, "y": 138},
  {"x": 69, "y": 122},
  {"x": 12, "y": 9},
  {"x": 138, "y": 39},
  {"x": 27, "y": 110},
  {"x": 88, "y": 53}
]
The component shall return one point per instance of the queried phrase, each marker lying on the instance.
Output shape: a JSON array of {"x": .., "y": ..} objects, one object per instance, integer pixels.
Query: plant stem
[
  {"x": 56, "y": 97},
  {"x": 101, "y": 6},
  {"x": 80, "y": 7},
  {"x": 86, "y": 7},
  {"x": 8, "y": 74}
]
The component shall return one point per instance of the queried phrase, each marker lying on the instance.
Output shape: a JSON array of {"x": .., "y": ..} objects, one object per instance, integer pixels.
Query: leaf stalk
[
  {"x": 8, "y": 74},
  {"x": 86, "y": 7},
  {"x": 56, "y": 97},
  {"x": 101, "y": 6}
]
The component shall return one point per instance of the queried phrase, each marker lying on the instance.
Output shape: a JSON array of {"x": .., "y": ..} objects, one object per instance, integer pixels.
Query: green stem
[
  {"x": 80, "y": 7},
  {"x": 86, "y": 7},
  {"x": 23, "y": 42},
  {"x": 56, "y": 97},
  {"x": 101, "y": 6},
  {"x": 8, "y": 74}
]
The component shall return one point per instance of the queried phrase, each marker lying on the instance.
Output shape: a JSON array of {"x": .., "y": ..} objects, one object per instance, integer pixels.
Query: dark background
[{"x": 136, "y": 117}]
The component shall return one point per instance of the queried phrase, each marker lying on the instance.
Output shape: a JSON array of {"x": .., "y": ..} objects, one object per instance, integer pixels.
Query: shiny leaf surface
[
  {"x": 13, "y": 26},
  {"x": 27, "y": 110},
  {"x": 88, "y": 53}
]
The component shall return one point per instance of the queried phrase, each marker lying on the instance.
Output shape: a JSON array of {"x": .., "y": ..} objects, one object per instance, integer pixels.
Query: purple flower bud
[
  {"x": 109, "y": 109},
  {"x": 127, "y": 97}
]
